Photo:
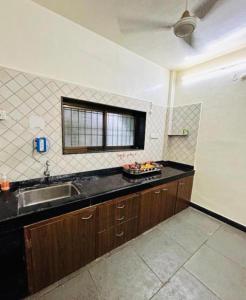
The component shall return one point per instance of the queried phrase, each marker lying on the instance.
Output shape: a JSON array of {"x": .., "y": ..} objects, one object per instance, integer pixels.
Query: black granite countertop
[{"x": 95, "y": 187}]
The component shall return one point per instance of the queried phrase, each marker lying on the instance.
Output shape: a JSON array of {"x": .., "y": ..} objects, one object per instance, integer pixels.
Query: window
[{"x": 92, "y": 127}]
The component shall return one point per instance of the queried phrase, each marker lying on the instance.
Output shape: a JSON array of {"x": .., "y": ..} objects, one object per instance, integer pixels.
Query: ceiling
[{"x": 222, "y": 31}]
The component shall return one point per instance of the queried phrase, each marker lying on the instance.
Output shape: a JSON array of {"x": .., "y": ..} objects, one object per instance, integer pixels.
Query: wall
[
  {"x": 38, "y": 41},
  {"x": 179, "y": 147},
  {"x": 45, "y": 56},
  {"x": 25, "y": 97},
  {"x": 220, "y": 156}
]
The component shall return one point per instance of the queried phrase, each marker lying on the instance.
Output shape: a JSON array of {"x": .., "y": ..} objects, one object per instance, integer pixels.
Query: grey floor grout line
[
  {"x": 182, "y": 266},
  {"x": 198, "y": 279},
  {"x": 203, "y": 244},
  {"x": 231, "y": 260},
  {"x": 142, "y": 259},
  {"x": 99, "y": 297}
]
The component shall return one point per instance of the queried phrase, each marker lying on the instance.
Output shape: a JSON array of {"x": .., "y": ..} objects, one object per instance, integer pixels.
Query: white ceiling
[{"x": 222, "y": 31}]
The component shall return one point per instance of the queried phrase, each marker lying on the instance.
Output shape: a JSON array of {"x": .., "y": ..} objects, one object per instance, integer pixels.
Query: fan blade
[
  {"x": 139, "y": 25},
  {"x": 189, "y": 40},
  {"x": 204, "y": 8}
]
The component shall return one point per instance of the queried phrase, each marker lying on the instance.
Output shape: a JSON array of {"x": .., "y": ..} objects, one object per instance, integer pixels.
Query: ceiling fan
[{"x": 183, "y": 28}]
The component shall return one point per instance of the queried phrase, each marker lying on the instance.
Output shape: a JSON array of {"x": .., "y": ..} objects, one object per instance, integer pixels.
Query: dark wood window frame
[{"x": 139, "y": 126}]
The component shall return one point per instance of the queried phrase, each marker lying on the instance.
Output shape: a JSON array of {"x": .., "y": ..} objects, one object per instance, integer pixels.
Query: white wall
[
  {"x": 220, "y": 180},
  {"x": 36, "y": 40}
]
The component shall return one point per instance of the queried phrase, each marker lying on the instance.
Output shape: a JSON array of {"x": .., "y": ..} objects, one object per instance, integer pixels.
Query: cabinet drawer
[
  {"x": 116, "y": 236},
  {"x": 126, "y": 208},
  {"x": 117, "y": 211},
  {"x": 126, "y": 231}
]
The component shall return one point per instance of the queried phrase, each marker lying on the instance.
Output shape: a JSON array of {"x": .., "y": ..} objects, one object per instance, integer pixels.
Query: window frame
[{"x": 139, "y": 126}]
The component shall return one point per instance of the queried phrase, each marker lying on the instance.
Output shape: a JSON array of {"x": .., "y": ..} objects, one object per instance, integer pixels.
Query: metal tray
[{"x": 136, "y": 173}]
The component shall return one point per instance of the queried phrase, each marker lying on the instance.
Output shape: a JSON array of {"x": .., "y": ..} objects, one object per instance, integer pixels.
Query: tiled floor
[{"x": 188, "y": 257}]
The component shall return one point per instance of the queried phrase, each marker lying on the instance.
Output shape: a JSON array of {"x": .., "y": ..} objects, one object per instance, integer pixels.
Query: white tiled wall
[
  {"x": 182, "y": 148},
  {"x": 24, "y": 95}
]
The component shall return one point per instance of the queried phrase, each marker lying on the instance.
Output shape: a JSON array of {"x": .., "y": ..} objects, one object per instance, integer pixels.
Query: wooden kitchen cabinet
[
  {"x": 168, "y": 200},
  {"x": 145, "y": 210},
  {"x": 156, "y": 205},
  {"x": 184, "y": 193},
  {"x": 106, "y": 215},
  {"x": 59, "y": 246}
]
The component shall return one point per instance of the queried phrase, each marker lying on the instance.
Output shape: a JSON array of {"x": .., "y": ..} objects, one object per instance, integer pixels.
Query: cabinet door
[
  {"x": 168, "y": 200},
  {"x": 84, "y": 236},
  {"x": 145, "y": 211},
  {"x": 155, "y": 207},
  {"x": 184, "y": 193},
  {"x": 106, "y": 215},
  {"x": 46, "y": 254},
  {"x": 58, "y": 246},
  {"x": 105, "y": 241}
]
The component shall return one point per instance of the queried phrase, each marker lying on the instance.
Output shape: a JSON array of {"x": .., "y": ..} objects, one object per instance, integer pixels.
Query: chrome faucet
[{"x": 47, "y": 171}]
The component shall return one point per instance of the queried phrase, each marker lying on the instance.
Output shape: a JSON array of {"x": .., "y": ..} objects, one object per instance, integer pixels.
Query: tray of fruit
[{"x": 137, "y": 169}]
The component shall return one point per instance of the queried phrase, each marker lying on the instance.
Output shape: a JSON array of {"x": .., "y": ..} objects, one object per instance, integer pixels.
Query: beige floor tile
[
  {"x": 187, "y": 235},
  {"x": 204, "y": 222},
  {"x": 231, "y": 242},
  {"x": 80, "y": 287},
  {"x": 221, "y": 275},
  {"x": 184, "y": 286},
  {"x": 162, "y": 254},
  {"x": 124, "y": 276}
]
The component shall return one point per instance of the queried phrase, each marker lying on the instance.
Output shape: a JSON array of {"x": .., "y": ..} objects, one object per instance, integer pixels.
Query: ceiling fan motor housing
[{"x": 185, "y": 26}]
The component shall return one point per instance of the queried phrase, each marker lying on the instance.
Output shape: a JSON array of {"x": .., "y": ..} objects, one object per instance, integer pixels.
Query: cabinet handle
[
  {"x": 120, "y": 234},
  {"x": 87, "y": 218},
  {"x": 164, "y": 190},
  {"x": 123, "y": 206},
  {"x": 158, "y": 192},
  {"x": 181, "y": 183},
  {"x": 120, "y": 219}
]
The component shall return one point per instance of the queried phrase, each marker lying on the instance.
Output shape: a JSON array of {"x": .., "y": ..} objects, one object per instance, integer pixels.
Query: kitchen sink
[{"x": 33, "y": 196}]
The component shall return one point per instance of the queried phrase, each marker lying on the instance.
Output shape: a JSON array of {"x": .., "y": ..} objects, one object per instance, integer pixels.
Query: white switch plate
[
  {"x": 3, "y": 115},
  {"x": 154, "y": 136}
]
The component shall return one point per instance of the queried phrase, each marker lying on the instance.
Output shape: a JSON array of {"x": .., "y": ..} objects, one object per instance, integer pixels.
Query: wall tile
[
  {"x": 182, "y": 148},
  {"x": 23, "y": 95}
]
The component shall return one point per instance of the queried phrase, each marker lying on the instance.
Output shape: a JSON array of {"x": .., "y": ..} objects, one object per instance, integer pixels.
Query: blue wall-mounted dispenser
[{"x": 40, "y": 144}]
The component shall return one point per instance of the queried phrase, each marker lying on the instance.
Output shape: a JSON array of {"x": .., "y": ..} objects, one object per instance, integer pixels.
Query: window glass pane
[
  {"x": 81, "y": 119},
  {"x": 120, "y": 130},
  {"x": 99, "y": 140},
  {"x": 88, "y": 141},
  {"x": 94, "y": 140},
  {"x": 81, "y": 140},
  {"x": 67, "y": 117},
  {"x": 67, "y": 140},
  {"x": 75, "y": 118},
  {"x": 75, "y": 140},
  {"x": 82, "y": 127},
  {"x": 100, "y": 120}
]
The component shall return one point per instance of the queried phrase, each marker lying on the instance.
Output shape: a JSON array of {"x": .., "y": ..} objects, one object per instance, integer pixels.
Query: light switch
[
  {"x": 154, "y": 136},
  {"x": 3, "y": 115}
]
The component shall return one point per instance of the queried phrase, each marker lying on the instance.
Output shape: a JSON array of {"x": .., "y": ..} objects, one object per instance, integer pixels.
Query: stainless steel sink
[{"x": 28, "y": 197}]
